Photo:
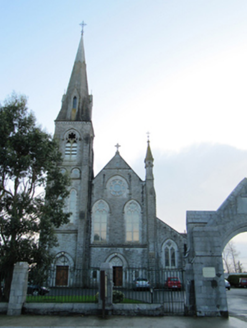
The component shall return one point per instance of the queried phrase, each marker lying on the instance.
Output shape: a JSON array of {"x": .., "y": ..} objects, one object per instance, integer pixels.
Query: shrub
[
  {"x": 234, "y": 279},
  {"x": 118, "y": 296}
]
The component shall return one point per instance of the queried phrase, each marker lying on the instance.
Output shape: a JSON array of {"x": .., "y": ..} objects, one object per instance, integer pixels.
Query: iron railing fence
[
  {"x": 142, "y": 285},
  {"x": 69, "y": 277},
  {"x": 139, "y": 285},
  {"x": 65, "y": 285},
  {"x": 125, "y": 277}
]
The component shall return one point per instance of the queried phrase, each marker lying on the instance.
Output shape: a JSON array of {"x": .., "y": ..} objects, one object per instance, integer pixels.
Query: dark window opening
[
  {"x": 74, "y": 102},
  {"x": 185, "y": 249}
]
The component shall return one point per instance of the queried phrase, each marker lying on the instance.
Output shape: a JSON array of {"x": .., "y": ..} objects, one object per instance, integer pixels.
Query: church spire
[
  {"x": 149, "y": 156},
  {"x": 149, "y": 160},
  {"x": 77, "y": 103}
]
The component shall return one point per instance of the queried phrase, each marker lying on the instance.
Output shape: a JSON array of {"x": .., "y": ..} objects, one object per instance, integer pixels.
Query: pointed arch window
[
  {"x": 170, "y": 254},
  {"x": 74, "y": 102},
  {"x": 71, "y": 146},
  {"x": 100, "y": 215},
  {"x": 74, "y": 106},
  {"x": 132, "y": 214}
]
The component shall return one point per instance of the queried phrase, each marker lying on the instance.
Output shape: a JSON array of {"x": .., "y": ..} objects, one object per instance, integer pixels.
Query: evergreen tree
[{"x": 32, "y": 191}]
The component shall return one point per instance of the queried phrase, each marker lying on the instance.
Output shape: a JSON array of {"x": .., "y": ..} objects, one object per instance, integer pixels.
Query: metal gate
[{"x": 164, "y": 287}]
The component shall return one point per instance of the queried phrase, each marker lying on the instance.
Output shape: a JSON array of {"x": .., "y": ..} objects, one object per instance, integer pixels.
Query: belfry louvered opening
[{"x": 71, "y": 146}]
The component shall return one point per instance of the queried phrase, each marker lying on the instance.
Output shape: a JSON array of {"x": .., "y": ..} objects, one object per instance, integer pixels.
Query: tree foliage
[{"x": 32, "y": 189}]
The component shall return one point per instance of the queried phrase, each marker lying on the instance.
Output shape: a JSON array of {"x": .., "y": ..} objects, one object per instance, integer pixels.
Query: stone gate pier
[{"x": 18, "y": 291}]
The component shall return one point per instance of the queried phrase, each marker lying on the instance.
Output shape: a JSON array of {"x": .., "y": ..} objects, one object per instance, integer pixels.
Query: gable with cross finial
[{"x": 117, "y": 146}]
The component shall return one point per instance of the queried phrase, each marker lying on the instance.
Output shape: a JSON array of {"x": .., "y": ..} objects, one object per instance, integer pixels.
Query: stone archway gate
[{"x": 208, "y": 233}]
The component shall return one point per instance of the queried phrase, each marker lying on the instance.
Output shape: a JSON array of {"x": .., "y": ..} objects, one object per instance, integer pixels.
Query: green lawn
[
  {"x": 128, "y": 300},
  {"x": 60, "y": 299},
  {"x": 68, "y": 299}
]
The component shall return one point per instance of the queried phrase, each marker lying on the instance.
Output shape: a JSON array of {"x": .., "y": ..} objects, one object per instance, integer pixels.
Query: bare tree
[
  {"x": 240, "y": 267},
  {"x": 226, "y": 262},
  {"x": 230, "y": 258}
]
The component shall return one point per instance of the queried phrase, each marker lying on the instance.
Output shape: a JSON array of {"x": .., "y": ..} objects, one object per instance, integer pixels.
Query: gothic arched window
[
  {"x": 100, "y": 214},
  {"x": 132, "y": 215},
  {"x": 72, "y": 205},
  {"x": 170, "y": 254},
  {"x": 71, "y": 146}
]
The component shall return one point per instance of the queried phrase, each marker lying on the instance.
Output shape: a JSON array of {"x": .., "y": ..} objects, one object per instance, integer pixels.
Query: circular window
[{"x": 117, "y": 187}]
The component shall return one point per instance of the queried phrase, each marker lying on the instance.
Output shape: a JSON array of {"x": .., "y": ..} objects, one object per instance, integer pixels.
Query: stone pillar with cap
[
  {"x": 18, "y": 290},
  {"x": 107, "y": 269}
]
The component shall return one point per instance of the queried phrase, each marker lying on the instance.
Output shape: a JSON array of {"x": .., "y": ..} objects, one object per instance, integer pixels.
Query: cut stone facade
[
  {"x": 114, "y": 221},
  {"x": 114, "y": 213}
]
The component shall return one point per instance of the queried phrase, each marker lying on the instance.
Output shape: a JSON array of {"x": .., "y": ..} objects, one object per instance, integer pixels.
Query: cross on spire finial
[
  {"x": 148, "y": 135},
  {"x": 82, "y": 27},
  {"x": 117, "y": 146}
]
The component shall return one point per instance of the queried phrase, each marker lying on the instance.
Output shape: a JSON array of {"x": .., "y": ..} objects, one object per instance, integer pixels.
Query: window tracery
[
  {"x": 100, "y": 215},
  {"x": 71, "y": 146},
  {"x": 170, "y": 254},
  {"x": 132, "y": 215},
  {"x": 117, "y": 186}
]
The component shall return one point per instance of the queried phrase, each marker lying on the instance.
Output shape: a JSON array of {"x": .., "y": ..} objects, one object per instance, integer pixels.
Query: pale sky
[{"x": 175, "y": 68}]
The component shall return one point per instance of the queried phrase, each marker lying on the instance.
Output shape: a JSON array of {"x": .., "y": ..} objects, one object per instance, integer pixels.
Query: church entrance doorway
[
  {"x": 62, "y": 274},
  {"x": 118, "y": 276}
]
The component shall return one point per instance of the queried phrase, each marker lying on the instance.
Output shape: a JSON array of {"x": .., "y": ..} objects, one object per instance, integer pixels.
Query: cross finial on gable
[
  {"x": 82, "y": 27},
  {"x": 117, "y": 146}
]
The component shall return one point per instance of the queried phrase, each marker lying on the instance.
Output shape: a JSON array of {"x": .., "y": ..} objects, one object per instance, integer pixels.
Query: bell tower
[{"x": 74, "y": 132}]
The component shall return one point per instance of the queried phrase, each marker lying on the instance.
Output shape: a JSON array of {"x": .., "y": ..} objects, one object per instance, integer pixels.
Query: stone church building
[{"x": 113, "y": 213}]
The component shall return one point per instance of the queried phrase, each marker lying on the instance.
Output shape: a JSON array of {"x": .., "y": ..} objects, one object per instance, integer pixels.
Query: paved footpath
[{"x": 79, "y": 321}]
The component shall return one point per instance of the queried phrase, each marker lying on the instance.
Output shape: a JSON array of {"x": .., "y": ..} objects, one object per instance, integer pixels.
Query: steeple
[
  {"x": 149, "y": 156},
  {"x": 77, "y": 103}
]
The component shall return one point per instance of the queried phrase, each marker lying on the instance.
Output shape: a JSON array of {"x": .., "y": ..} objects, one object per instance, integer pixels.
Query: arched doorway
[
  {"x": 63, "y": 264},
  {"x": 119, "y": 265}
]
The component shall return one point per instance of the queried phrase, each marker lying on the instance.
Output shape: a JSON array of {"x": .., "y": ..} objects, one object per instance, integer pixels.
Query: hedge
[{"x": 234, "y": 279}]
